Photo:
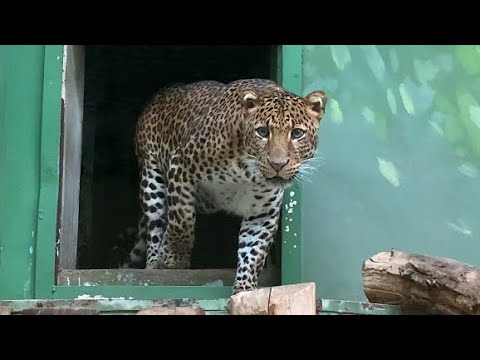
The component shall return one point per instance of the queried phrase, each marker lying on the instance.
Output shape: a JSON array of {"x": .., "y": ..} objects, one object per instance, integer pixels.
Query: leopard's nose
[{"x": 277, "y": 163}]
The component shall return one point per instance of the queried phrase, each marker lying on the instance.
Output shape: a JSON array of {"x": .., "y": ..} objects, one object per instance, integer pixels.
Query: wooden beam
[
  {"x": 159, "y": 277},
  {"x": 71, "y": 153},
  {"x": 427, "y": 283}
]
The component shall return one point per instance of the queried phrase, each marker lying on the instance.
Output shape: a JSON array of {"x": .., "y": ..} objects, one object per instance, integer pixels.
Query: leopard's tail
[{"x": 136, "y": 258}]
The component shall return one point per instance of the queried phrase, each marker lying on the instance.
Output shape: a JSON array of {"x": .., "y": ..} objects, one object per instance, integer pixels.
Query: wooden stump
[
  {"x": 414, "y": 281},
  {"x": 5, "y": 310},
  {"x": 164, "y": 310},
  {"x": 298, "y": 299}
]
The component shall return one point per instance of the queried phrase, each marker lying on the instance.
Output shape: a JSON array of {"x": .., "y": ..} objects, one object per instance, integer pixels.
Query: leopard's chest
[
  {"x": 242, "y": 199},
  {"x": 240, "y": 191}
]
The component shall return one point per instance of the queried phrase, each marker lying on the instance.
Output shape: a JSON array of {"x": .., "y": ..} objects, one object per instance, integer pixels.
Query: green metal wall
[
  {"x": 30, "y": 105},
  {"x": 401, "y": 148},
  {"x": 21, "y": 85}
]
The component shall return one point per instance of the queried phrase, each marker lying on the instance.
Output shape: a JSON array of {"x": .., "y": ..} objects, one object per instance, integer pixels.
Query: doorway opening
[{"x": 104, "y": 90}]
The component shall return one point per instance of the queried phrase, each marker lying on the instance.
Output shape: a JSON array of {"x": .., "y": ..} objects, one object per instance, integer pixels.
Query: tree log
[
  {"x": 422, "y": 283},
  {"x": 296, "y": 299}
]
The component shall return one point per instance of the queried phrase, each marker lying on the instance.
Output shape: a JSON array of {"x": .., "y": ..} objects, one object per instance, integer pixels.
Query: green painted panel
[
  {"x": 291, "y": 214},
  {"x": 401, "y": 169},
  {"x": 21, "y": 86},
  {"x": 49, "y": 170}
]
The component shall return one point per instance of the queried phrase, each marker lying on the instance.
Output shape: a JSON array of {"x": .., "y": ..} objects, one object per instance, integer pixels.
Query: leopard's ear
[
  {"x": 250, "y": 101},
  {"x": 316, "y": 102}
]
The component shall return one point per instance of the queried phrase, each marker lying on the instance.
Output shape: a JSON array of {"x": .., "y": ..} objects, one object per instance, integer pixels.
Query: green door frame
[{"x": 45, "y": 288}]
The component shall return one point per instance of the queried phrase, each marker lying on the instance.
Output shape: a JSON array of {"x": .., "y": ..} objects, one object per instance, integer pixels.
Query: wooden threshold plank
[{"x": 159, "y": 277}]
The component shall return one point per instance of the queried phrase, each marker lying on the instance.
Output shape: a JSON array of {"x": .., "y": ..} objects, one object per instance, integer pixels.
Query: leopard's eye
[
  {"x": 263, "y": 131},
  {"x": 297, "y": 133}
]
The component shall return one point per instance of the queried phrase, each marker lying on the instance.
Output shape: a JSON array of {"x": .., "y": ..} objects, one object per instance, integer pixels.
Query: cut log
[
  {"x": 5, "y": 310},
  {"x": 253, "y": 302},
  {"x": 164, "y": 310},
  {"x": 297, "y": 299},
  {"x": 422, "y": 283}
]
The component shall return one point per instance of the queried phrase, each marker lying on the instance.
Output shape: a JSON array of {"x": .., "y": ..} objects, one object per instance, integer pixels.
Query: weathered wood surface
[
  {"x": 167, "y": 310},
  {"x": 414, "y": 281},
  {"x": 60, "y": 311},
  {"x": 115, "y": 305},
  {"x": 71, "y": 151},
  {"x": 5, "y": 310},
  {"x": 158, "y": 277},
  {"x": 296, "y": 299},
  {"x": 121, "y": 306}
]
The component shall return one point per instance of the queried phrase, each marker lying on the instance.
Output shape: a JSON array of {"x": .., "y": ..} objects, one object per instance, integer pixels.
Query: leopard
[{"x": 210, "y": 146}]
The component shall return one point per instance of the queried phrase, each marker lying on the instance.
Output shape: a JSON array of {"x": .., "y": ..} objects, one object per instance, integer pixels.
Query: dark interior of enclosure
[{"x": 118, "y": 81}]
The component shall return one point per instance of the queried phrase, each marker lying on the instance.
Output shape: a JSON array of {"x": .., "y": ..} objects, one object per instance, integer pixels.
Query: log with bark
[{"x": 422, "y": 283}]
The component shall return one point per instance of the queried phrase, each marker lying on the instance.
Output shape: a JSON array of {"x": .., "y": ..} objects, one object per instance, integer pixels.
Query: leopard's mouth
[{"x": 279, "y": 181}]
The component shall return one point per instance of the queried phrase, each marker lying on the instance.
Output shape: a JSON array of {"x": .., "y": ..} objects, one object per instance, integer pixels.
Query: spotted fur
[{"x": 208, "y": 146}]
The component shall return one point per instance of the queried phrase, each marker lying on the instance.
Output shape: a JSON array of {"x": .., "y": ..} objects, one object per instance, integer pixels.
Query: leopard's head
[{"x": 281, "y": 130}]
